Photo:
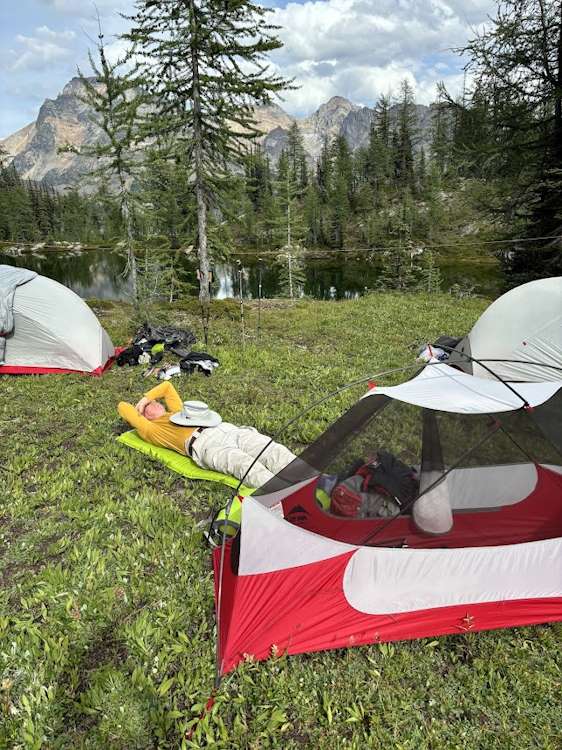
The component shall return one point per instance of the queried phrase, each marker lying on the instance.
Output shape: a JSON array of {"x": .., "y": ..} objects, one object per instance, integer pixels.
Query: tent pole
[
  {"x": 518, "y": 362},
  {"x": 489, "y": 369},
  {"x": 228, "y": 506}
]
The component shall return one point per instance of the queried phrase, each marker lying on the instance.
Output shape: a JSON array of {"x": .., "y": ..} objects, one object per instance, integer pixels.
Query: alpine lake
[{"x": 98, "y": 273}]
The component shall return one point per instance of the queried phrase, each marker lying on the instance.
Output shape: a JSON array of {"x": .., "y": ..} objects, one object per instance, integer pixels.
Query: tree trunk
[
  {"x": 290, "y": 274},
  {"x": 202, "y": 250},
  {"x": 131, "y": 260},
  {"x": 558, "y": 97}
]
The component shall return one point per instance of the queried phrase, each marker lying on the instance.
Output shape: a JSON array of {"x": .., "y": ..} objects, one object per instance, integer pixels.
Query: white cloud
[
  {"x": 47, "y": 33},
  {"x": 84, "y": 9},
  {"x": 363, "y": 48},
  {"x": 46, "y": 46},
  {"x": 359, "y": 49}
]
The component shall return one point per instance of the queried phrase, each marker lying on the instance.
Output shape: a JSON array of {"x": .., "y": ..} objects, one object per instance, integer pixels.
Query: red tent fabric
[
  {"x": 296, "y": 605},
  {"x": 300, "y": 578}
]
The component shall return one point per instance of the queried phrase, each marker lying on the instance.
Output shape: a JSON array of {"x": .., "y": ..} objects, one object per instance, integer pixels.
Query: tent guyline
[
  {"x": 403, "y": 246},
  {"x": 360, "y": 250}
]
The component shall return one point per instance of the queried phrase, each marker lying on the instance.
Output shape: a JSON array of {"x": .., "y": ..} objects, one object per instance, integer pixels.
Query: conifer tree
[
  {"x": 421, "y": 172},
  {"x": 430, "y": 273},
  {"x": 292, "y": 273},
  {"x": 113, "y": 95},
  {"x": 324, "y": 171},
  {"x": 406, "y": 133},
  {"x": 441, "y": 145},
  {"x": 381, "y": 140},
  {"x": 291, "y": 227},
  {"x": 397, "y": 270},
  {"x": 312, "y": 214},
  {"x": 516, "y": 62},
  {"x": 204, "y": 61},
  {"x": 297, "y": 158},
  {"x": 342, "y": 195},
  {"x": 383, "y": 129}
]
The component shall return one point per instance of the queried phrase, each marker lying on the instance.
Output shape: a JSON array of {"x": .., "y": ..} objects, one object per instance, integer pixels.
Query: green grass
[{"x": 106, "y": 608}]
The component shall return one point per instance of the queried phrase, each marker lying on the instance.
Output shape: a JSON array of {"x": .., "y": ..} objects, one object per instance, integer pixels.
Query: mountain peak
[
  {"x": 338, "y": 101},
  {"x": 67, "y": 119},
  {"x": 327, "y": 121}
]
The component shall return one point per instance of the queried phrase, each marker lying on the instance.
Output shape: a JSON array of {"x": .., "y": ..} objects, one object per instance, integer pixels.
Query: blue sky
[{"x": 353, "y": 48}]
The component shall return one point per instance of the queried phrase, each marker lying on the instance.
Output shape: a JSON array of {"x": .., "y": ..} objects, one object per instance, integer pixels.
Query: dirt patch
[
  {"x": 8, "y": 573},
  {"x": 105, "y": 649}
]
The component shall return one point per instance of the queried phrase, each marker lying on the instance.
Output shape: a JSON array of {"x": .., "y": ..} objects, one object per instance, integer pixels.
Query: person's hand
[{"x": 142, "y": 404}]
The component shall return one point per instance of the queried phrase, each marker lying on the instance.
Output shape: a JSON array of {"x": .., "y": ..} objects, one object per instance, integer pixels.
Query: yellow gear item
[
  {"x": 322, "y": 498},
  {"x": 228, "y": 526}
]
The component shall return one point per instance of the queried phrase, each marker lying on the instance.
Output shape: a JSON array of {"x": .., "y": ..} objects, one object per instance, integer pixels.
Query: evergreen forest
[{"x": 487, "y": 178}]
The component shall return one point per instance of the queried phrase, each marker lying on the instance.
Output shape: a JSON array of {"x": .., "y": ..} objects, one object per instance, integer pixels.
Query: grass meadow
[{"x": 107, "y": 626}]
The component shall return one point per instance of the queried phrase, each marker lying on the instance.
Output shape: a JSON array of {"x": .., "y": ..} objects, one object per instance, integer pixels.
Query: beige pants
[{"x": 232, "y": 450}]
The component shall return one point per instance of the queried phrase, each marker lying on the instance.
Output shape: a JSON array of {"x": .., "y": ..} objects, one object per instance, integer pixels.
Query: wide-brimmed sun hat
[{"x": 196, "y": 414}]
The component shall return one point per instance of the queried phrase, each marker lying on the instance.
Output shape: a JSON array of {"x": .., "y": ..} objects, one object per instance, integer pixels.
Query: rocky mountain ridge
[{"x": 66, "y": 120}]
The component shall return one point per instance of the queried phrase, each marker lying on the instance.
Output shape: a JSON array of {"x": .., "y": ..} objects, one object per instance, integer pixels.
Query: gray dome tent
[
  {"x": 46, "y": 328},
  {"x": 519, "y": 336}
]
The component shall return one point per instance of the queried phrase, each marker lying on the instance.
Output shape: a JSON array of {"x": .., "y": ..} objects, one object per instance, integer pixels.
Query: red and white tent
[{"x": 300, "y": 578}]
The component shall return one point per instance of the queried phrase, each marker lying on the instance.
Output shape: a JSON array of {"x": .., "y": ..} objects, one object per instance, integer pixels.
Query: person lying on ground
[{"x": 192, "y": 429}]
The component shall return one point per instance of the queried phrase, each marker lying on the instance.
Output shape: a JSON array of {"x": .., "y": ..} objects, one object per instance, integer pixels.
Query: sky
[{"x": 358, "y": 49}]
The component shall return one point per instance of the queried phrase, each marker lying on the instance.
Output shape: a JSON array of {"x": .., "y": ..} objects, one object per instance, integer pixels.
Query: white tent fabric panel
[
  {"x": 443, "y": 388},
  {"x": 271, "y": 543},
  {"x": 379, "y": 580},
  {"x": 523, "y": 324},
  {"x": 388, "y": 581},
  {"x": 490, "y": 486},
  {"x": 54, "y": 328}
]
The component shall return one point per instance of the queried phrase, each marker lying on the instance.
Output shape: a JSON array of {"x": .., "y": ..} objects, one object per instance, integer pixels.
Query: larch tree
[
  {"x": 112, "y": 92},
  {"x": 205, "y": 62},
  {"x": 516, "y": 65}
]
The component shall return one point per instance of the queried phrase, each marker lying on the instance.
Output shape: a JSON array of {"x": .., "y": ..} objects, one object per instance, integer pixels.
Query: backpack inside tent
[
  {"x": 47, "y": 328},
  {"x": 478, "y": 545},
  {"x": 519, "y": 336}
]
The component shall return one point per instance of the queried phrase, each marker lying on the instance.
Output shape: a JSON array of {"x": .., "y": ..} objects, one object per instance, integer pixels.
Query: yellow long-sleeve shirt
[{"x": 159, "y": 431}]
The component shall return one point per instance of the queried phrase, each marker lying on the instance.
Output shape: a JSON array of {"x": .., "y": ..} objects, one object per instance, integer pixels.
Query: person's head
[{"x": 154, "y": 410}]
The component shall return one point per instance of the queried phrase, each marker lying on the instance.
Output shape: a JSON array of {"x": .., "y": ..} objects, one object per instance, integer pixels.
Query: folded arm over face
[{"x": 140, "y": 416}]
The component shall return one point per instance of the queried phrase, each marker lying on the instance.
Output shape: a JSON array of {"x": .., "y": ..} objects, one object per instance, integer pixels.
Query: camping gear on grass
[
  {"x": 440, "y": 349},
  {"x": 131, "y": 356},
  {"x": 177, "y": 340},
  {"x": 477, "y": 546},
  {"x": 199, "y": 362},
  {"x": 150, "y": 343},
  {"x": 49, "y": 328},
  {"x": 168, "y": 372},
  {"x": 518, "y": 337}
]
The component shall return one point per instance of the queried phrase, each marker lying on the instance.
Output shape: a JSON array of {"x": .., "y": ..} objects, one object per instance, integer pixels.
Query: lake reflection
[{"x": 99, "y": 274}]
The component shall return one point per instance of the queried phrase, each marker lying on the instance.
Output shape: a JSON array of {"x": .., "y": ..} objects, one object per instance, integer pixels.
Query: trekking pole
[
  {"x": 242, "y": 322},
  {"x": 259, "y": 295}
]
